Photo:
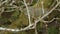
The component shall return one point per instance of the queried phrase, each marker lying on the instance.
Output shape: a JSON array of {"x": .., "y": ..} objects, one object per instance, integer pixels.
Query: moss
[{"x": 52, "y": 30}]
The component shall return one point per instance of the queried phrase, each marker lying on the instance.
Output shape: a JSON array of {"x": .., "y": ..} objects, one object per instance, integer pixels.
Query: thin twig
[
  {"x": 51, "y": 20},
  {"x": 27, "y": 12},
  {"x": 35, "y": 28},
  {"x": 42, "y": 7},
  {"x": 52, "y": 4},
  {"x": 58, "y": 9},
  {"x": 2, "y": 10}
]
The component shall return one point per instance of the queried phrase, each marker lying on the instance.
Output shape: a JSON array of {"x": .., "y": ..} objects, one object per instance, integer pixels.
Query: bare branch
[
  {"x": 35, "y": 28},
  {"x": 2, "y": 10},
  {"x": 41, "y": 19},
  {"x": 51, "y": 20},
  {"x": 42, "y": 7},
  {"x": 30, "y": 24},
  {"x": 3, "y": 2},
  {"x": 57, "y": 9},
  {"x": 27, "y": 12}
]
